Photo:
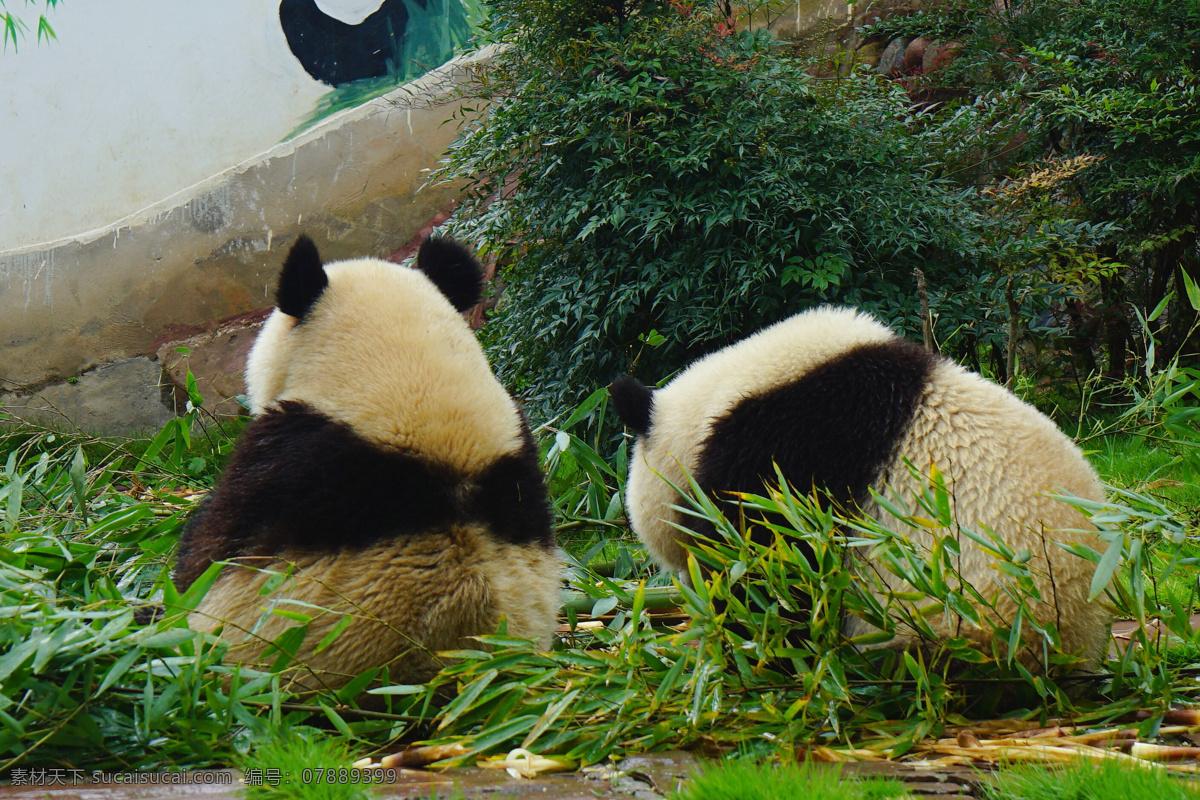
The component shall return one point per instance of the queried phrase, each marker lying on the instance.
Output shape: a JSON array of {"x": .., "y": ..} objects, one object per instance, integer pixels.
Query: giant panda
[
  {"x": 388, "y": 477},
  {"x": 840, "y": 402}
]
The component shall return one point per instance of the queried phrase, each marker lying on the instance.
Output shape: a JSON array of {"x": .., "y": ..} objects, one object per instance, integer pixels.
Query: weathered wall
[
  {"x": 828, "y": 27},
  {"x": 213, "y": 251}
]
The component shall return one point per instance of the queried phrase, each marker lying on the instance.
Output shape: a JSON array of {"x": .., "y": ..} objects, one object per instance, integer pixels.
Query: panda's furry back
[
  {"x": 838, "y": 400},
  {"x": 387, "y": 472}
]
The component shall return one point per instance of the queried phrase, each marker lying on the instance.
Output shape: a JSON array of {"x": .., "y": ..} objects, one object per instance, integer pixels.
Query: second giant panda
[
  {"x": 839, "y": 401},
  {"x": 388, "y": 477}
]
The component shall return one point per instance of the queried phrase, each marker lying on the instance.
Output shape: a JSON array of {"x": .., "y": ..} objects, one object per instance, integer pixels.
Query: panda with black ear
[
  {"x": 387, "y": 469},
  {"x": 839, "y": 401}
]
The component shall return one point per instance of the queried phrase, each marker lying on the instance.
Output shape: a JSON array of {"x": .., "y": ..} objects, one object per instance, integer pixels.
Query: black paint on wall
[{"x": 334, "y": 52}]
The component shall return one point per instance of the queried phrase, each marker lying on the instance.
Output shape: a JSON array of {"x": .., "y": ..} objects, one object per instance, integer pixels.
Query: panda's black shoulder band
[
  {"x": 634, "y": 402},
  {"x": 302, "y": 281},
  {"x": 452, "y": 269}
]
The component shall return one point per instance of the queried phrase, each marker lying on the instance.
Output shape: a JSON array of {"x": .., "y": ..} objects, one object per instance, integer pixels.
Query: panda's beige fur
[
  {"x": 380, "y": 352},
  {"x": 1002, "y": 458},
  {"x": 440, "y": 590},
  {"x": 431, "y": 390}
]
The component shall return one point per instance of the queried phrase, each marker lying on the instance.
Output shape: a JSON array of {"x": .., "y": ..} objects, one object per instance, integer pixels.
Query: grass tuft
[
  {"x": 1087, "y": 781},
  {"x": 302, "y": 764},
  {"x": 746, "y": 780}
]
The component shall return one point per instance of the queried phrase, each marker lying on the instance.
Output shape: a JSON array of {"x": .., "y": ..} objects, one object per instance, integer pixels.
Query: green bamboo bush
[
  {"x": 638, "y": 687},
  {"x": 88, "y": 526},
  {"x": 650, "y": 173}
]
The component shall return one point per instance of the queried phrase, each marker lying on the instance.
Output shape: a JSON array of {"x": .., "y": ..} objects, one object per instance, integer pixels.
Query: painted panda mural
[
  {"x": 335, "y": 52},
  {"x": 387, "y": 466},
  {"x": 838, "y": 400}
]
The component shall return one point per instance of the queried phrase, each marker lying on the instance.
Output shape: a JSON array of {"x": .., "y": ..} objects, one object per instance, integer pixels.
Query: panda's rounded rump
[{"x": 839, "y": 403}]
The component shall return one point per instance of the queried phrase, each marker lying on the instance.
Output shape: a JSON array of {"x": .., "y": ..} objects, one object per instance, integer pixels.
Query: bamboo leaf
[
  {"x": 465, "y": 700},
  {"x": 1105, "y": 569},
  {"x": 1193, "y": 291},
  {"x": 550, "y": 716}
]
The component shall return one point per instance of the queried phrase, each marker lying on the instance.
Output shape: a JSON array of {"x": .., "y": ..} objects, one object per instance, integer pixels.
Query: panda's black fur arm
[
  {"x": 302, "y": 280},
  {"x": 634, "y": 403},
  {"x": 302, "y": 481},
  {"x": 511, "y": 497},
  {"x": 452, "y": 269},
  {"x": 834, "y": 428}
]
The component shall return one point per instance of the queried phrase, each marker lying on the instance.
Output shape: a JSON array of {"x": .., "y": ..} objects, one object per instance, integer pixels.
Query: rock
[
  {"x": 938, "y": 55},
  {"x": 866, "y": 54},
  {"x": 891, "y": 63},
  {"x": 914, "y": 54},
  {"x": 118, "y": 399},
  {"x": 217, "y": 360}
]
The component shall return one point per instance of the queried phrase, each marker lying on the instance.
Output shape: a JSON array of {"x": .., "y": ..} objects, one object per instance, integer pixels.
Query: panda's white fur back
[
  {"x": 696, "y": 396},
  {"x": 427, "y": 393},
  {"x": 387, "y": 471},
  {"x": 1003, "y": 460},
  {"x": 1002, "y": 456}
]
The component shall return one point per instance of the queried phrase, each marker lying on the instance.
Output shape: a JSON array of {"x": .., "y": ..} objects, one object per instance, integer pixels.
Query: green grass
[
  {"x": 1168, "y": 472},
  {"x": 1113, "y": 780},
  {"x": 1161, "y": 468},
  {"x": 303, "y": 764},
  {"x": 745, "y": 780}
]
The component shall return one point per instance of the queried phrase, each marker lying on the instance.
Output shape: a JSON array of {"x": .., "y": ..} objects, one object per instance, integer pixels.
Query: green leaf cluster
[
  {"x": 1107, "y": 95},
  {"x": 647, "y": 175}
]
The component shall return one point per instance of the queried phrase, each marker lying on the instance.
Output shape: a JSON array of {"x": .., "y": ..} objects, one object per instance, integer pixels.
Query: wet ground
[
  {"x": 643, "y": 777},
  {"x": 648, "y": 777}
]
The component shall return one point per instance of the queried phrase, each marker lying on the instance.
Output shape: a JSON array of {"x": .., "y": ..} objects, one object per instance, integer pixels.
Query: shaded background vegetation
[
  {"x": 650, "y": 170},
  {"x": 662, "y": 184},
  {"x": 1106, "y": 94}
]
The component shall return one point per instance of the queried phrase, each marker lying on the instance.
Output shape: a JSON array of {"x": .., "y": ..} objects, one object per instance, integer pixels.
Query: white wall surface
[{"x": 138, "y": 100}]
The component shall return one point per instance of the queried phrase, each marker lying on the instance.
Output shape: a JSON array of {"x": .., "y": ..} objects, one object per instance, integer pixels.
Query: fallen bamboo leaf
[
  {"x": 520, "y": 763},
  {"x": 416, "y": 757},
  {"x": 1056, "y": 730},
  {"x": 1111, "y": 736},
  {"x": 822, "y": 753}
]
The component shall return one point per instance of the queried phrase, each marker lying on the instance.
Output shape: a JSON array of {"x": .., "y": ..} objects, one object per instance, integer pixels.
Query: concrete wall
[
  {"x": 828, "y": 28},
  {"x": 213, "y": 251},
  {"x": 138, "y": 100}
]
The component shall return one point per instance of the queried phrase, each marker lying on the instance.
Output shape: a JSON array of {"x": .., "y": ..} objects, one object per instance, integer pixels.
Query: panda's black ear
[
  {"x": 302, "y": 281},
  {"x": 453, "y": 270},
  {"x": 634, "y": 401}
]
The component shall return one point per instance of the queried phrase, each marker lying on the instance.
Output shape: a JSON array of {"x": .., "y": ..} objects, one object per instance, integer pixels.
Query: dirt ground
[{"x": 648, "y": 777}]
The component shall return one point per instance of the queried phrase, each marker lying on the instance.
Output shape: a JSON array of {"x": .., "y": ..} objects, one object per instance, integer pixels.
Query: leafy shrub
[
  {"x": 87, "y": 526},
  {"x": 1110, "y": 91},
  {"x": 663, "y": 186}
]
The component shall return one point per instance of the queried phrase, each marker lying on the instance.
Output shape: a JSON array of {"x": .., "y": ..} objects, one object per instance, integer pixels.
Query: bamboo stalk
[{"x": 656, "y": 597}]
